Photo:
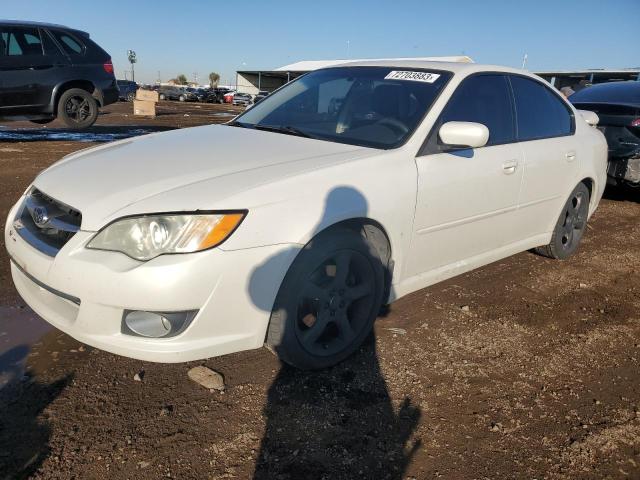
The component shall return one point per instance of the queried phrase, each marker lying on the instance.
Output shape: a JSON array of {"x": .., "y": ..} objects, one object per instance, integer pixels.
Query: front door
[{"x": 468, "y": 198}]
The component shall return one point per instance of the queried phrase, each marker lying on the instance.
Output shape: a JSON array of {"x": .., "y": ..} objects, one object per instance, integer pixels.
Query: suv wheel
[
  {"x": 162, "y": 97},
  {"x": 182, "y": 98},
  {"x": 328, "y": 301},
  {"x": 131, "y": 96},
  {"x": 77, "y": 108}
]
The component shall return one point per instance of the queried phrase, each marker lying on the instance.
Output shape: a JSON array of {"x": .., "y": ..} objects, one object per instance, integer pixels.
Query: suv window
[
  {"x": 49, "y": 47},
  {"x": 69, "y": 44},
  {"x": 20, "y": 41},
  {"x": 483, "y": 99},
  {"x": 540, "y": 113}
]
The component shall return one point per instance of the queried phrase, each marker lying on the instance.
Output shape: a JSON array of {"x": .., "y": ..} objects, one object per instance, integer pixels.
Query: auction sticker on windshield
[{"x": 413, "y": 76}]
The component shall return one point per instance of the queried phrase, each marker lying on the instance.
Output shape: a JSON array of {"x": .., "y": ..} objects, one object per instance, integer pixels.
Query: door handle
[
  {"x": 570, "y": 156},
  {"x": 509, "y": 167}
]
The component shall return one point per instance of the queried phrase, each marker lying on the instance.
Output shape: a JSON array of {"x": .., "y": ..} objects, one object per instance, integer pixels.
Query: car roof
[
  {"x": 39, "y": 24},
  {"x": 455, "y": 67}
]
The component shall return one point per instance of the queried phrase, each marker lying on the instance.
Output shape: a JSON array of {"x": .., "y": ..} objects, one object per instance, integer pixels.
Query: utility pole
[{"x": 132, "y": 59}]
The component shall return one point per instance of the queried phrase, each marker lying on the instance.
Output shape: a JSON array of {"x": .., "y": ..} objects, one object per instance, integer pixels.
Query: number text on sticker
[{"x": 412, "y": 76}]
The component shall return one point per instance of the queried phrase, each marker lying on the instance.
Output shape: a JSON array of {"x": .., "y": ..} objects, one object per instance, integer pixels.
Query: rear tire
[
  {"x": 182, "y": 98},
  {"x": 77, "y": 108},
  {"x": 131, "y": 96},
  {"x": 162, "y": 97},
  {"x": 328, "y": 301},
  {"x": 570, "y": 226}
]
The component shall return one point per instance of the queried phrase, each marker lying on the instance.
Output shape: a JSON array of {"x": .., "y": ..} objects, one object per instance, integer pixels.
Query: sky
[{"x": 201, "y": 36}]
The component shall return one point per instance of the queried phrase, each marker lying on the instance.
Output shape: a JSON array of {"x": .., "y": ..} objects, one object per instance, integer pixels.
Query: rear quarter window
[
  {"x": 539, "y": 112},
  {"x": 69, "y": 43}
]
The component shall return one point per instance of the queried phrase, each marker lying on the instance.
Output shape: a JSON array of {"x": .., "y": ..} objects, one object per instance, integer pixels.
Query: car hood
[{"x": 104, "y": 182}]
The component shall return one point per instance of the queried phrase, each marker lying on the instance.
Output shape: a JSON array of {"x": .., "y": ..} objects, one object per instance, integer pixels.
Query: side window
[
  {"x": 69, "y": 44},
  {"x": 483, "y": 99},
  {"x": 20, "y": 41},
  {"x": 540, "y": 113}
]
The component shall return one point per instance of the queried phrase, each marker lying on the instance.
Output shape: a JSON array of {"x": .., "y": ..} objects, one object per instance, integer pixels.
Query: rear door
[
  {"x": 545, "y": 129},
  {"x": 28, "y": 65}
]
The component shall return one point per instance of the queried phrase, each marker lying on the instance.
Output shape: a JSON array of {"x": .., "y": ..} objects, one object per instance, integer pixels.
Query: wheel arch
[
  {"x": 377, "y": 235},
  {"x": 590, "y": 183},
  {"x": 85, "y": 85}
]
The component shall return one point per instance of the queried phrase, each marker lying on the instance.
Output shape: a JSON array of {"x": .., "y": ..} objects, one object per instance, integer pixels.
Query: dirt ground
[{"x": 527, "y": 368}]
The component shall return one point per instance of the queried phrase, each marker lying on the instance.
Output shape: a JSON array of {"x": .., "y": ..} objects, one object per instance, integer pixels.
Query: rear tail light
[
  {"x": 108, "y": 66},
  {"x": 635, "y": 123}
]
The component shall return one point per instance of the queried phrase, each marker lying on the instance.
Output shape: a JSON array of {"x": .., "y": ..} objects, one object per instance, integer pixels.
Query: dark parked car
[
  {"x": 618, "y": 107},
  {"x": 127, "y": 90},
  {"x": 261, "y": 95},
  {"x": 216, "y": 95},
  {"x": 202, "y": 94},
  {"x": 49, "y": 71},
  {"x": 177, "y": 93},
  {"x": 242, "y": 99}
]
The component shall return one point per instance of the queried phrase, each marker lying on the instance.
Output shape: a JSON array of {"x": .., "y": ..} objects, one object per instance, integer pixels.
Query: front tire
[
  {"x": 162, "y": 97},
  {"x": 570, "y": 226},
  {"x": 182, "y": 98},
  {"x": 77, "y": 108},
  {"x": 328, "y": 301}
]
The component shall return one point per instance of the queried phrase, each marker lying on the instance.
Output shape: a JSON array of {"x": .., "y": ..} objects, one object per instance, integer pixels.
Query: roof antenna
[{"x": 524, "y": 60}]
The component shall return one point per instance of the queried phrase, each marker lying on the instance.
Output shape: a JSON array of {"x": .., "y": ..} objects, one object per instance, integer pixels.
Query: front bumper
[{"x": 85, "y": 292}]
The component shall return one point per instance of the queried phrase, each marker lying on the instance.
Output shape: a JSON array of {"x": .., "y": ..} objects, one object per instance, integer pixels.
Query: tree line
[{"x": 181, "y": 79}]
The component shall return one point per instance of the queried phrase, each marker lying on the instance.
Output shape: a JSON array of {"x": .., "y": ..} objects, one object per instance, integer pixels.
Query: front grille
[{"x": 45, "y": 223}]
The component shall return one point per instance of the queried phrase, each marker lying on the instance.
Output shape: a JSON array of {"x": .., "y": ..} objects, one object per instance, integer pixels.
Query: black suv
[{"x": 49, "y": 71}]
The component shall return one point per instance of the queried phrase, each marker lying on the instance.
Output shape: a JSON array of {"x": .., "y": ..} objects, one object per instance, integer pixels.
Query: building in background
[{"x": 253, "y": 81}]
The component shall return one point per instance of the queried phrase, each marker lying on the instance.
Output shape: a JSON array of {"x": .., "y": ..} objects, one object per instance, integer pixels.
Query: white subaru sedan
[{"x": 292, "y": 225}]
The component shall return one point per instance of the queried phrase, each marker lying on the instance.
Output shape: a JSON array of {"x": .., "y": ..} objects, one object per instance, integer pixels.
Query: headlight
[{"x": 146, "y": 237}]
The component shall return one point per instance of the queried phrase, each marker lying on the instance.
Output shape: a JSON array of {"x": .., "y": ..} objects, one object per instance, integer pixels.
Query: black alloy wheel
[
  {"x": 77, "y": 108},
  {"x": 570, "y": 226},
  {"x": 328, "y": 301}
]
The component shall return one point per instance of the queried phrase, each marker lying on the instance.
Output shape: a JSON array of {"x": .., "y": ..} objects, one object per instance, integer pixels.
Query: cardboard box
[
  {"x": 147, "y": 95},
  {"x": 144, "y": 107}
]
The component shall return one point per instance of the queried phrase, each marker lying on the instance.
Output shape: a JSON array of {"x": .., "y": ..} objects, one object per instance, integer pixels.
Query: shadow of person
[
  {"x": 24, "y": 437},
  {"x": 340, "y": 422}
]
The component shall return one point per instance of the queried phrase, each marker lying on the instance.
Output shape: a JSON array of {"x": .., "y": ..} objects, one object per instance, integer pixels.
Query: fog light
[{"x": 156, "y": 324}]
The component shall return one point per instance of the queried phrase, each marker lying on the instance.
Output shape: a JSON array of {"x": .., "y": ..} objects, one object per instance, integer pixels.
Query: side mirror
[{"x": 464, "y": 134}]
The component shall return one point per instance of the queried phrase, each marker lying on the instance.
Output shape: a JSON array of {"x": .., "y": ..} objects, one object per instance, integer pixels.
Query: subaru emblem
[{"x": 40, "y": 216}]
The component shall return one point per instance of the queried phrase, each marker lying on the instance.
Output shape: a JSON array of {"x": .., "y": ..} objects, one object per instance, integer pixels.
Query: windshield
[{"x": 377, "y": 107}]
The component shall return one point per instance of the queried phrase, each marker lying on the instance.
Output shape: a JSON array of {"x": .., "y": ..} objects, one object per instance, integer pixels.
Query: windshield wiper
[
  {"x": 235, "y": 123},
  {"x": 286, "y": 129}
]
